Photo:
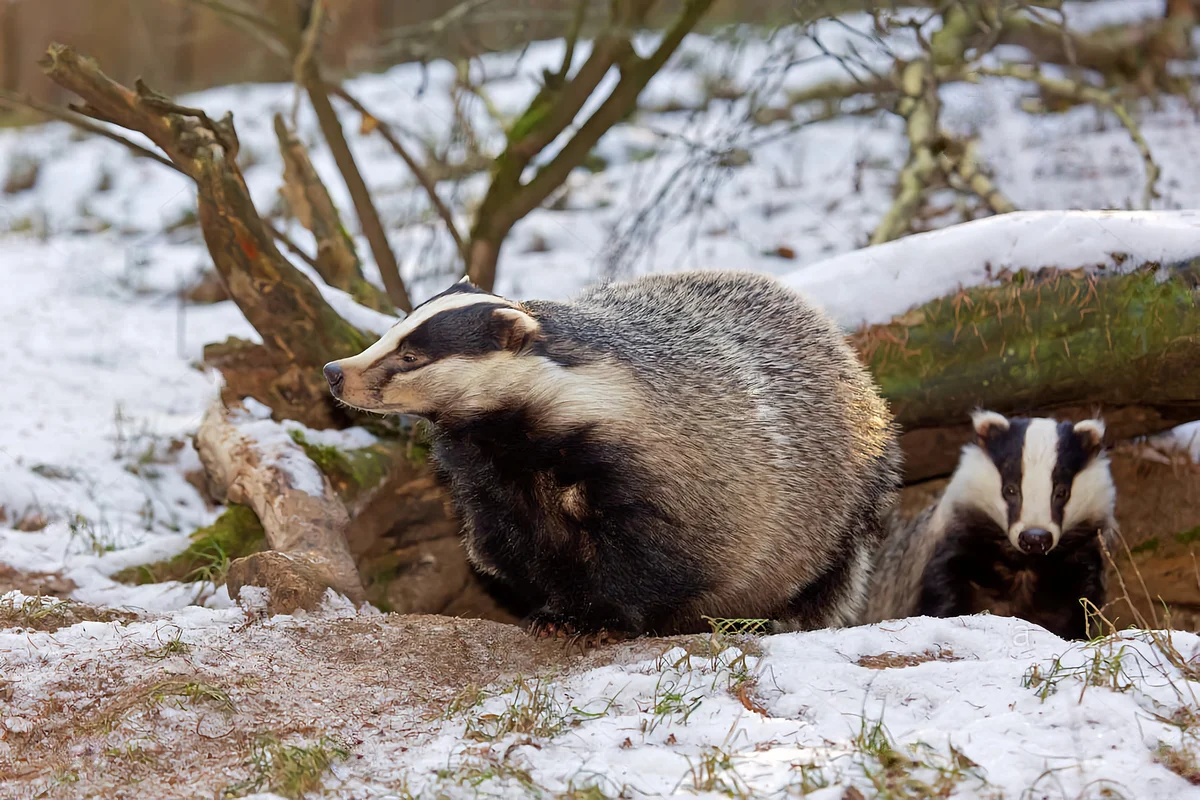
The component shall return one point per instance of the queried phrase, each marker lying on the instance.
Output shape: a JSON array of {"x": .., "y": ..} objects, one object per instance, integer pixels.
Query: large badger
[
  {"x": 679, "y": 446},
  {"x": 1016, "y": 533}
]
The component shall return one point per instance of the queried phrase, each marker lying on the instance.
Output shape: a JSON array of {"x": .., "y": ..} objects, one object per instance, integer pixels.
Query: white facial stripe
[
  {"x": 1037, "y": 479},
  {"x": 1093, "y": 495},
  {"x": 391, "y": 340},
  {"x": 975, "y": 484}
]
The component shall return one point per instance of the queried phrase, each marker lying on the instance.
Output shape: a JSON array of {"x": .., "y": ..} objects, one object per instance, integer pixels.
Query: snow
[
  {"x": 762, "y": 717},
  {"x": 918, "y": 268},
  {"x": 104, "y": 391}
]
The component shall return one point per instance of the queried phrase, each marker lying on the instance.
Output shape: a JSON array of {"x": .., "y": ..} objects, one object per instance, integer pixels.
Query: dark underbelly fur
[
  {"x": 565, "y": 524},
  {"x": 976, "y": 569}
]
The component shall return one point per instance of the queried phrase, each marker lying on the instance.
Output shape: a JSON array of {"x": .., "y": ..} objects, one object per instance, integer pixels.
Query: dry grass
[
  {"x": 891, "y": 660},
  {"x": 50, "y": 614}
]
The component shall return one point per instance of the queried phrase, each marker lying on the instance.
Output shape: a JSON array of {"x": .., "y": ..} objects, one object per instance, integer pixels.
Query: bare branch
[
  {"x": 360, "y": 195},
  {"x": 81, "y": 122},
  {"x": 308, "y": 50},
  {"x": 418, "y": 172},
  {"x": 572, "y": 37},
  {"x": 1082, "y": 92}
]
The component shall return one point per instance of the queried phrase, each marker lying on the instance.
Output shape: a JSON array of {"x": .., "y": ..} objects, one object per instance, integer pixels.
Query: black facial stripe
[
  {"x": 1074, "y": 454},
  {"x": 1006, "y": 448},
  {"x": 466, "y": 331}
]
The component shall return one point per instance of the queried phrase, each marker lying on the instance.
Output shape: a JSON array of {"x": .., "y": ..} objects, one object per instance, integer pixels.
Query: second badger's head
[
  {"x": 1035, "y": 478},
  {"x": 456, "y": 351}
]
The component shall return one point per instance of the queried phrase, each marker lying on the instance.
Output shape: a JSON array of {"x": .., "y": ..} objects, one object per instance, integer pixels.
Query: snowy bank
[{"x": 875, "y": 284}]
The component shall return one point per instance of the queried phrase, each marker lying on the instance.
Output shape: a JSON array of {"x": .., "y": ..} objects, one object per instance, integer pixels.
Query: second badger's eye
[
  {"x": 1060, "y": 492},
  {"x": 408, "y": 358},
  {"x": 1010, "y": 490}
]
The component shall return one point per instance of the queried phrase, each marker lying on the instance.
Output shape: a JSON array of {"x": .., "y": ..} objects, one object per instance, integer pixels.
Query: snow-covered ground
[
  {"x": 103, "y": 390},
  {"x": 980, "y": 707}
]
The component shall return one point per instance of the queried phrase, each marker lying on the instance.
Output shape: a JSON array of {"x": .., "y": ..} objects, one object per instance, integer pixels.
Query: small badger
[
  {"x": 1016, "y": 533},
  {"x": 679, "y": 446}
]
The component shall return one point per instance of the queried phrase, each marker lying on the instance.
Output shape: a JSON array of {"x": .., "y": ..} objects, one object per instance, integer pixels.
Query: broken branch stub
[
  {"x": 252, "y": 462},
  {"x": 308, "y": 199}
]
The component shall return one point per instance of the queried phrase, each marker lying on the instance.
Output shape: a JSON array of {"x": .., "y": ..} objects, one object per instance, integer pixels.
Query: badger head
[
  {"x": 1035, "y": 478},
  {"x": 466, "y": 353},
  {"x": 456, "y": 351}
]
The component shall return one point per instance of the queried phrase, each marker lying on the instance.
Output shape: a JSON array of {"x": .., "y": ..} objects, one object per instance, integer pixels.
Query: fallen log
[
  {"x": 1049, "y": 318},
  {"x": 254, "y": 462}
]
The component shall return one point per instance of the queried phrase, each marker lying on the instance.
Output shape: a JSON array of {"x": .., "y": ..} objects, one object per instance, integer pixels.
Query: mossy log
[
  {"x": 1064, "y": 342},
  {"x": 302, "y": 517},
  {"x": 235, "y": 534}
]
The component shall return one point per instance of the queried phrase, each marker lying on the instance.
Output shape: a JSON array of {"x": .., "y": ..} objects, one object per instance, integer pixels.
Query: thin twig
[
  {"x": 287, "y": 242},
  {"x": 81, "y": 122},
  {"x": 1065, "y": 87},
  {"x": 426, "y": 182},
  {"x": 308, "y": 49}
]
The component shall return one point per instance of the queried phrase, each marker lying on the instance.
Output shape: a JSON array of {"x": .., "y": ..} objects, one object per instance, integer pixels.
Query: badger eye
[
  {"x": 408, "y": 358},
  {"x": 1060, "y": 492},
  {"x": 1010, "y": 490}
]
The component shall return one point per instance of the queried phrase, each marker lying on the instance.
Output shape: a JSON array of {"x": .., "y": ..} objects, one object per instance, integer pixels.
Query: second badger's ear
[
  {"x": 1091, "y": 434},
  {"x": 987, "y": 424},
  {"x": 513, "y": 329}
]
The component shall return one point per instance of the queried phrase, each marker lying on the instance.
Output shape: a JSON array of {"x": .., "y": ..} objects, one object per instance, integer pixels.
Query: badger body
[
  {"x": 1017, "y": 531},
  {"x": 649, "y": 453}
]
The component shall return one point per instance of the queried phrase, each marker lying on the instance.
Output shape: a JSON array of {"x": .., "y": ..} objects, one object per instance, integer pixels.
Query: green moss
[
  {"x": 537, "y": 112},
  {"x": 1189, "y": 536},
  {"x": 235, "y": 534},
  {"x": 349, "y": 471},
  {"x": 1148, "y": 546},
  {"x": 1040, "y": 340}
]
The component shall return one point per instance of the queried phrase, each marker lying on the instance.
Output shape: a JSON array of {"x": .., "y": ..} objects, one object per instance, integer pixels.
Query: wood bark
[
  {"x": 1059, "y": 342},
  {"x": 307, "y": 527}
]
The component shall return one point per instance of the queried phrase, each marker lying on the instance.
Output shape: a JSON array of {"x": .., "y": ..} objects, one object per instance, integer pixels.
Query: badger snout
[
  {"x": 1035, "y": 541},
  {"x": 336, "y": 378}
]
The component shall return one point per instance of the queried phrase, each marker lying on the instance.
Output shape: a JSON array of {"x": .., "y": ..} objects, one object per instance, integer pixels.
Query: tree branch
[
  {"x": 1095, "y": 96},
  {"x": 283, "y": 305},
  {"x": 364, "y": 206},
  {"x": 417, "y": 170},
  {"x": 337, "y": 261},
  {"x": 83, "y": 123}
]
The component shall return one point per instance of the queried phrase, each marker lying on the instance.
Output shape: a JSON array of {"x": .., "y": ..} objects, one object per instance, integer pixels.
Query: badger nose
[
  {"x": 1036, "y": 541},
  {"x": 336, "y": 378}
]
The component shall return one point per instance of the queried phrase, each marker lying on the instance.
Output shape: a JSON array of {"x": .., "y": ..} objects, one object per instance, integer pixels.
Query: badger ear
[
  {"x": 513, "y": 329},
  {"x": 987, "y": 424},
  {"x": 1091, "y": 434}
]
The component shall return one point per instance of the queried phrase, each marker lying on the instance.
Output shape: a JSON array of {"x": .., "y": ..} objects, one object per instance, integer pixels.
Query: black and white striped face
[
  {"x": 1036, "y": 478},
  {"x": 452, "y": 352}
]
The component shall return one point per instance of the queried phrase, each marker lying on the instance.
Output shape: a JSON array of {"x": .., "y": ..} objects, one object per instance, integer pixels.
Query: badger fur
[
  {"x": 1016, "y": 533},
  {"x": 679, "y": 446}
]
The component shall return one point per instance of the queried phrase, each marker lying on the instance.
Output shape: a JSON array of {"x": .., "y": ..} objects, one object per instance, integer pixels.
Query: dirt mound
[{"x": 205, "y": 706}]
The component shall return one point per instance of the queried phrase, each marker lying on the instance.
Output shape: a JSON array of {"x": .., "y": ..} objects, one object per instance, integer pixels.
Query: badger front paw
[{"x": 546, "y": 624}]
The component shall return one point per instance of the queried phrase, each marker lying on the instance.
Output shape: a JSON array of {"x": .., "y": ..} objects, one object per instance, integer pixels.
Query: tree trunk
[{"x": 1061, "y": 342}]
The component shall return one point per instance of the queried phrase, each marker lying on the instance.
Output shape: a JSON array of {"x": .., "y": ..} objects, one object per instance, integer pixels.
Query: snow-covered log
[
  {"x": 1036, "y": 312},
  {"x": 251, "y": 460}
]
